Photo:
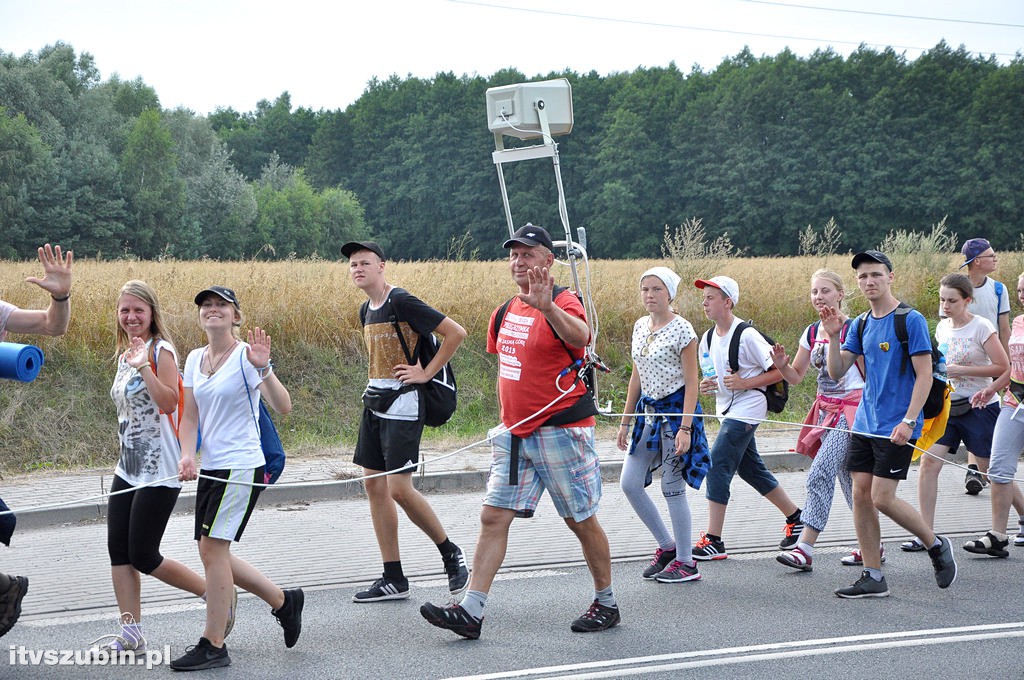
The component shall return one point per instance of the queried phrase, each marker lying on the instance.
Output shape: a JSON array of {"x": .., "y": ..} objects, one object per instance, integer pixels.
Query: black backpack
[
  {"x": 439, "y": 397},
  {"x": 938, "y": 393},
  {"x": 586, "y": 405},
  {"x": 777, "y": 394}
]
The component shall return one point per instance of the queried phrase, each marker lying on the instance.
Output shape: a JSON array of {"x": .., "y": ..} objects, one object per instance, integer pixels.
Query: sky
[{"x": 209, "y": 54}]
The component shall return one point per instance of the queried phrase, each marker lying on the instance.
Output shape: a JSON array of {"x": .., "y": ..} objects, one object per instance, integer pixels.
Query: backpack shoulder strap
[
  {"x": 844, "y": 331},
  {"x": 900, "y": 322},
  {"x": 812, "y": 333},
  {"x": 734, "y": 346},
  {"x": 500, "y": 316},
  {"x": 999, "y": 294}
]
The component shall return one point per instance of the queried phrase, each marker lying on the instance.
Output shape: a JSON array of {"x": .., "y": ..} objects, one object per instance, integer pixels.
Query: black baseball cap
[
  {"x": 529, "y": 235},
  {"x": 220, "y": 291},
  {"x": 356, "y": 246},
  {"x": 872, "y": 256}
]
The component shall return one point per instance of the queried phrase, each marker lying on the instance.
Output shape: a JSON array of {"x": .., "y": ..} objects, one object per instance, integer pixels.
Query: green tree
[{"x": 156, "y": 195}]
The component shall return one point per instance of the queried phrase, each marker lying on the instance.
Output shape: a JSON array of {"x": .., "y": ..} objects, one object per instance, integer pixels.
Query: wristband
[
  {"x": 265, "y": 370},
  {"x": 61, "y": 299}
]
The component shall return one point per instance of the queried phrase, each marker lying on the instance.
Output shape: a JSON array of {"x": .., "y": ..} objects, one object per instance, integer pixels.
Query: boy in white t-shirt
[{"x": 738, "y": 395}]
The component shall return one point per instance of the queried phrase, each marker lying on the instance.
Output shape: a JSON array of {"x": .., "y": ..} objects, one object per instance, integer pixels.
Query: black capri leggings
[{"x": 136, "y": 521}]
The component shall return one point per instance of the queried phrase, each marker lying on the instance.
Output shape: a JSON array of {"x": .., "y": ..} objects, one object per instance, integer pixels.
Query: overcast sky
[{"x": 205, "y": 54}]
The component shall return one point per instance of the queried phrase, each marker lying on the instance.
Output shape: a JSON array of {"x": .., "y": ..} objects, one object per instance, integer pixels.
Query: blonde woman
[
  {"x": 825, "y": 434},
  {"x": 145, "y": 486}
]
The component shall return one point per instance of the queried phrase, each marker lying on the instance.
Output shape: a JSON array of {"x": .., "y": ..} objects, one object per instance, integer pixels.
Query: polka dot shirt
[{"x": 656, "y": 355}]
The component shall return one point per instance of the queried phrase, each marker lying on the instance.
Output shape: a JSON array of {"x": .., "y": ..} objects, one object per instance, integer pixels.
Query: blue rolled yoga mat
[{"x": 20, "y": 362}]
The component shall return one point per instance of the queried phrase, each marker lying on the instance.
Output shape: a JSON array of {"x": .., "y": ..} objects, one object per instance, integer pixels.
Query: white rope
[
  {"x": 408, "y": 467},
  {"x": 500, "y": 429},
  {"x": 798, "y": 426}
]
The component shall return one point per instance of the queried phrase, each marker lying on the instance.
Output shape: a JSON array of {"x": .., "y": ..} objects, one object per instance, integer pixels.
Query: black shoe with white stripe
[
  {"x": 455, "y": 569},
  {"x": 384, "y": 588}
]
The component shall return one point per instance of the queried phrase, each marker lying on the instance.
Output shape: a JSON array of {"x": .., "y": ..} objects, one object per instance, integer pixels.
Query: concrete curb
[{"x": 307, "y": 492}]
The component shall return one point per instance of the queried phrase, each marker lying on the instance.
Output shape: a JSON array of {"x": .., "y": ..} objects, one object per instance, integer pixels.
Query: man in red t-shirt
[{"x": 542, "y": 445}]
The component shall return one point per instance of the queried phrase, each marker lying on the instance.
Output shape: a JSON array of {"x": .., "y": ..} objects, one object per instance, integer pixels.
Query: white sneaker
[
  {"x": 1018, "y": 540},
  {"x": 128, "y": 640}
]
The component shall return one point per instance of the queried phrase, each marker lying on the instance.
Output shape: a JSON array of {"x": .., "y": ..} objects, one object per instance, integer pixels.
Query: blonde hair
[
  {"x": 157, "y": 327},
  {"x": 835, "y": 279}
]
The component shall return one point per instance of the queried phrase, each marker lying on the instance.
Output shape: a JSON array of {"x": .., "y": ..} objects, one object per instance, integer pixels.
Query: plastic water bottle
[
  {"x": 940, "y": 370},
  {"x": 707, "y": 366}
]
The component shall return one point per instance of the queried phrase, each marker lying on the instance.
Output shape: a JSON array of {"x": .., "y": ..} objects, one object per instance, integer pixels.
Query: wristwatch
[{"x": 909, "y": 423}]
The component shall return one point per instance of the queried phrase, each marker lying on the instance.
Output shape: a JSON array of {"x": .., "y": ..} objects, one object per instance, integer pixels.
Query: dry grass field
[{"x": 310, "y": 307}]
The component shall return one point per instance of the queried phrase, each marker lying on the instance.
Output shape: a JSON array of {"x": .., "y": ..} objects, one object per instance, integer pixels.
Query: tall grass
[{"x": 66, "y": 419}]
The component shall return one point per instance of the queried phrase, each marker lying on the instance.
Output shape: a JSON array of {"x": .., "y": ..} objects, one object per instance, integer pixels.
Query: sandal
[
  {"x": 988, "y": 544},
  {"x": 913, "y": 545}
]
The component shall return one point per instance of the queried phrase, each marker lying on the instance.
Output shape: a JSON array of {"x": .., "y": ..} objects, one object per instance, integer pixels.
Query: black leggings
[{"x": 136, "y": 521}]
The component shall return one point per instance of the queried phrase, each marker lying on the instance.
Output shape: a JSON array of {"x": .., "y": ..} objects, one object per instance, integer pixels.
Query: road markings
[{"x": 728, "y": 656}]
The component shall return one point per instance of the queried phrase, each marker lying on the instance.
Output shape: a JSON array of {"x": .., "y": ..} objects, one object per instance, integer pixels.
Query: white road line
[{"x": 643, "y": 665}]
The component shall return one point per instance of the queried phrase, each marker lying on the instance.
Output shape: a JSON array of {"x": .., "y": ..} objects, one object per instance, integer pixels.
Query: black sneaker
[
  {"x": 792, "y": 532},
  {"x": 455, "y": 568},
  {"x": 384, "y": 588},
  {"x": 709, "y": 549},
  {"x": 864, "y": 587},
  {"x": 974, "y": 482},
  {"x": 202, "y": 656},
  {"x": 10, "y": 603},
  {"x": 454, "y": 618},
  {"x": 290, "y": 615},
  {"x": 662, "y": 558},
  {"x": 943, "y": 561},
  {"x": 598, "y": 617}
]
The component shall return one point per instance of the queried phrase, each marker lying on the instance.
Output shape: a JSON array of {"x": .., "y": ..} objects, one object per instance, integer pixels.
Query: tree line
[{"x": 758, "y": 149}]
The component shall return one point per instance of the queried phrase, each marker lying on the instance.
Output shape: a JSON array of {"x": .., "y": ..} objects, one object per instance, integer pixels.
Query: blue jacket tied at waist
[{"x": 697, "y": 460}]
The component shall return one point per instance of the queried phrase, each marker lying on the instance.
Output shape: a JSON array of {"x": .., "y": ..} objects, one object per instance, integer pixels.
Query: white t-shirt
[
  {"x": 656, "y": 355},
  {"x": 966, "y": 347},
  {"x": 149, "y": 447},
  {"x": 749, "y": 406},
  {"x": 230, "y": 440}
]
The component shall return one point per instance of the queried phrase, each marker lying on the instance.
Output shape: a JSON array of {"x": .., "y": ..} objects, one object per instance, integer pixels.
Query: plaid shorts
[{"x": 561, "y": 460}]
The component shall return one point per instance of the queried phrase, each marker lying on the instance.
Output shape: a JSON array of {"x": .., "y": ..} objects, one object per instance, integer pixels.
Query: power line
[
  {"x": 883, "y": 14},
  {"x": 658, "y": 24}
]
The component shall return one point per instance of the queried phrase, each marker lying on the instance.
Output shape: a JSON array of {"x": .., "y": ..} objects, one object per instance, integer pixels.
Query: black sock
[
  {"x": 972, "y": 466},
  {"x": 447, "y": 547},
  {"x": 712, "y": 537},
  {"x": 393, "y": 571},
  {"x": 794, "y": 518}
]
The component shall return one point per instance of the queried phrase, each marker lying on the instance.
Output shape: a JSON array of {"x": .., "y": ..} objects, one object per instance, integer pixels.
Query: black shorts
[
  {"x": 387, "y": 444},
  {"x": 879, "y": 456},
  {"x": 223, "y": 509}
]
